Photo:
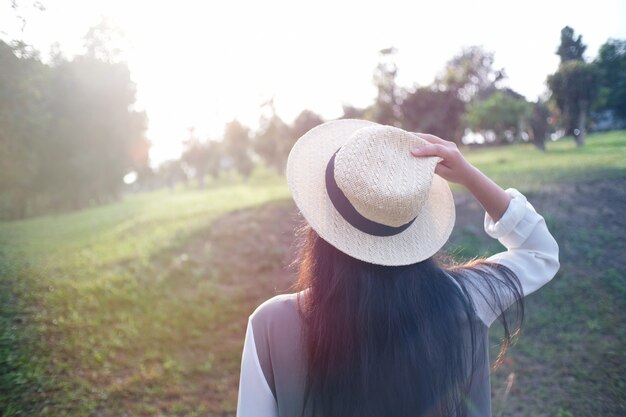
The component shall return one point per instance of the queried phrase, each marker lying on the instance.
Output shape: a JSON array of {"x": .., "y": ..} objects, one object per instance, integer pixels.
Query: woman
[{"x": 377, "y": 326}]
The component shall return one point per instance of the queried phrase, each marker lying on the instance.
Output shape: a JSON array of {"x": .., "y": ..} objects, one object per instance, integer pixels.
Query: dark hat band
[{"x": 350, "y": 213}]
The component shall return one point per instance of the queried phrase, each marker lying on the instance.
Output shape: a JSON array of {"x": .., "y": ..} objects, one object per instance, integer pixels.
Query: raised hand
[{"x": 455, "y": 168}]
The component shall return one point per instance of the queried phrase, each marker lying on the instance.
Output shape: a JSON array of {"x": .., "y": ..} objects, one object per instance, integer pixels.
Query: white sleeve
[
  {"x": 255, "y": 396},
  {"x": 532, "y": 253}
]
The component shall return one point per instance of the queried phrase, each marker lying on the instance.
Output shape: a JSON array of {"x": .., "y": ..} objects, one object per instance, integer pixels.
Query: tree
[
  {"x": 204, "y": 158},
  {"x": 201, "y": 158},
  {"x": 23, "y": 125},
  {"x": 385, "y": 109},
  {"x": 237, "y": 147},
  {"x": 434, "y": 111},
  {"x": 105, "y": 42},
  {"x": 539, "y": 124},
  {"x": 470, "y": 74},
  {"x": 611, "y": 64},
  {"x": 147, "y": 178},
  {"x": 570, "y": 49},
  {"x": 68, "y": 131},
  {"x": 93, "y": 135},
  {"x": 351, "y": 112},
  {"x": 574, "y": 87},
  {"x": 172, "y": 172},
  {"x": 273, "y": 140},
  {"x": 304, "y": 122},
  {"x": 502, "y": 113},
  {"x": 214, "y": 157}
]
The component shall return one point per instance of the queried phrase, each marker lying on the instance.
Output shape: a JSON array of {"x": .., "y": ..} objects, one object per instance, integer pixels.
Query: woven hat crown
[{"x": 381, "y": 178}]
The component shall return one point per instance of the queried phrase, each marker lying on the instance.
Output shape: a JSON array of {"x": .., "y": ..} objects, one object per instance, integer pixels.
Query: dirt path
[{"x": 569, "y": 360}]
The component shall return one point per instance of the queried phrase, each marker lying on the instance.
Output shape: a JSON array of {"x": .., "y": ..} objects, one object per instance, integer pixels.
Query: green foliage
[
  {"x": 273, "y": 142},
  {"x": 539, "y": 124},
  {"x": 203, "y": 157},
  {"x": 470, "y": 74},
  {"x": 501, "y": 113},
  {"x": 574, "y": 82},
  {"x": 570, "y": 49},
  {"x": 95, "y": 135},
  {"x": 464, "y": 96},
  {"x": 105, "y": 41},
  {"x": 385, "y": 108},
  {"x": 351, "y": 112},
  {"x": 611, "y": 64},
  {"x": 564, "y": 413},
  {"x": 67, "y": 136},
  {"x": 236, "y": 146},
  {"x": 574, "y": 86},
  {"x": 172, "y": 172},
  {"x": 434, "y": 111},
  {"x": 24, "y": 120},
  {"x": 304, "y": 122}
]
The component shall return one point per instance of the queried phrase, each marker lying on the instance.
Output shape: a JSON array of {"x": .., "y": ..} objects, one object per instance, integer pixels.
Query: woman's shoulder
[{"x": 278, "y": 312}]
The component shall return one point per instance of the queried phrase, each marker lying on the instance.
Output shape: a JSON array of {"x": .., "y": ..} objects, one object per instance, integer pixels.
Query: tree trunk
[
  {"x": 540, "y": 143},
  {"x": 582, "y": 123}
]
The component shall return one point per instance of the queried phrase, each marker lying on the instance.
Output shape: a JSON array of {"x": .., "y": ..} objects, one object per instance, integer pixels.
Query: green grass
[
  {"x": 569, "y": 360},
  {"x": 524, "y": 167},
  {"x": 101, "y": 313},
  {"x": 570, "y": 353},
  {"x": 92, "y": 294}
]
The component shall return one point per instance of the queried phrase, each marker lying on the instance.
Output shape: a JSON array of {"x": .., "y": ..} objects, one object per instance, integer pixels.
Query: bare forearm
[{"x": 489, "y": 194}]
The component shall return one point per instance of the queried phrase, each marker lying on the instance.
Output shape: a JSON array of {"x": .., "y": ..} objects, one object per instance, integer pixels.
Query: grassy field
[
  {"x": 139, "y": 308},
  {"x": 523, "y": 167}
]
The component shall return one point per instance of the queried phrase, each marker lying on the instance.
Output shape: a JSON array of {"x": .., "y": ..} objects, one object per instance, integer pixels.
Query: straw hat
[{"x": 361, "y": 190}]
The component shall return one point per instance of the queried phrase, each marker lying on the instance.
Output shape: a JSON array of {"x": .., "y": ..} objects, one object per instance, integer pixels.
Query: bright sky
[{"x": 201, "y": 63}]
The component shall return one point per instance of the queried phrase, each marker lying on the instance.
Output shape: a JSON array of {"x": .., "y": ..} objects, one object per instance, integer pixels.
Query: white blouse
[{"x": 531, "y": 253}]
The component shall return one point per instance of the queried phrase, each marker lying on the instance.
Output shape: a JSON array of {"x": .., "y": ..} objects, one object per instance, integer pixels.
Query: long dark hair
[{"x": 389, "y": 340}]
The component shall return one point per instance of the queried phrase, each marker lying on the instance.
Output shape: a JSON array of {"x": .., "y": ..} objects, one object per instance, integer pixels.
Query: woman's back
[
  {"x": 377, "y": 327},
  {"x": 274, "y": 336}
]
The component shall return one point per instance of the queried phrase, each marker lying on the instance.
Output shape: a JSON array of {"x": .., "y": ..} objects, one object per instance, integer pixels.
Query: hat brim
[{"x": 306, "y": 168}]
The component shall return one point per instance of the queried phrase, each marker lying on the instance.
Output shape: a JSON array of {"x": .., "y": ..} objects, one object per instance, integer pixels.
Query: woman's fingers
[
  {"x": 452, "y": 166},
  {"x": 432, "y": 150},
  {"x": 432, "y": 138},
  {"x": 443, "y": 171}
]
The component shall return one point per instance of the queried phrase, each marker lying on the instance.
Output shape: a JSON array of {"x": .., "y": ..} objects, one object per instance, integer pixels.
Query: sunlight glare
[{"x": 202, "y": 64}]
